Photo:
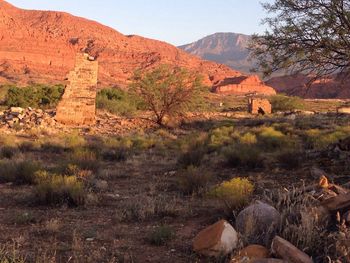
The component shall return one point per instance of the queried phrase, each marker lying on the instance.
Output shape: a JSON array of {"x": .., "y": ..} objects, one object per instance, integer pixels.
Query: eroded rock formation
[
  {"x": 243, "y": 85},
  {"x": 259, "y": 106},
  {"x": 78, "y": 106}
]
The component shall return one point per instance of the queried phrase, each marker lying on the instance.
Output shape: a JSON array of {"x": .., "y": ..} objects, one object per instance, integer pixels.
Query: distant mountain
[
  {"x": 231, "y": 49},
  {"x": 225, "y": 48}
]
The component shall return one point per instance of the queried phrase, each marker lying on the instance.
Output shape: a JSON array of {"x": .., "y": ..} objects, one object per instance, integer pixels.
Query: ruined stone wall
[
  {"x": 78, "y": 104},
  {"x": 259, "y": 106}
]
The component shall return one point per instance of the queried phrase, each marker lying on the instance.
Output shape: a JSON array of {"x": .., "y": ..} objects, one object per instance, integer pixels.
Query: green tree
[
  {"x": 305, "y": 36},
  {"x": 166, "y": 91}
]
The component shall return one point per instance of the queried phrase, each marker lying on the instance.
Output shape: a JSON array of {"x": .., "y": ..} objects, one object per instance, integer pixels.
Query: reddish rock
[
  {"x": 287, "y": 251},
  {"x": 216, "y": 240},
  {"x": 251, "y": 253},
  {"x": 40, "y": 46},
  {"x": 243, "y": 85},
  {"x": 298, "y": 85}
]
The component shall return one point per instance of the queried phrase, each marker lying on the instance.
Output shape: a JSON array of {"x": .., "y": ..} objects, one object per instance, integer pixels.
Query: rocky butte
[
  {"x": 243, "y": 85},
  {"x": 40, "y": 47}
]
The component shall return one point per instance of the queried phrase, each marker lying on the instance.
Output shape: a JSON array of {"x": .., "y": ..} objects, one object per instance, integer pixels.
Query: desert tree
[
  {"x": 304, "y": 36},
  {"x": 166, "y": 91}
]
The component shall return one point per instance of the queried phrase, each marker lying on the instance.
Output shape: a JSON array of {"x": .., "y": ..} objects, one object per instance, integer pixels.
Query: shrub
[
  {"x": 115, "y": 155},
  {"x": 53, "y": 189},
  {"x": 221, "y": 136},
  {"x": 290, "y": 159},
  {"x": 25, "y": 218},
  {"x": 246, "y": 156},
  {"x": 286, "y": 103},
  {"x": 18, "y": 172},
  {"x": 318, "y": 139},
  {"x": 235, "y": 193},
  {"x": 161, "y": 235},
  {"x": 85, "y": 158},
  {"x": 248, "y": 138},
  {"x": 193, "y": 157},
  {"x": 193, "y": 180},
  {"x": 271, "y": 139},
  {"x": 38, "y": 96},
  {"x": 12, "y": 256},
  {"x": 8, "y": 152},
  {"x": 117, "y": 101}
]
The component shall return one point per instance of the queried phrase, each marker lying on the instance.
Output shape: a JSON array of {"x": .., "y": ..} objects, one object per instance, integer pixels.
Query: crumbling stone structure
[
  {"x": 78, "y": 104},
  {"x": 259, "y": 106}
]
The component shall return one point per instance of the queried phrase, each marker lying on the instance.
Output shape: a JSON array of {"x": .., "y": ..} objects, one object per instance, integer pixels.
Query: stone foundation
[
  {"x": 259, "y": 106},
  {"x": 78, "y": 104}
]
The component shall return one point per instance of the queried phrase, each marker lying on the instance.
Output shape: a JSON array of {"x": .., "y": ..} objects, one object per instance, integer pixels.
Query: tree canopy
[
  {"x": 305, "y": 36},
  {"x": 166, "y": 90}
]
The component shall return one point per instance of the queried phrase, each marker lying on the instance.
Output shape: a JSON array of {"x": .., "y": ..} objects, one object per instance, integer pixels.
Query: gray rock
[{"x": 258, "y": 223}]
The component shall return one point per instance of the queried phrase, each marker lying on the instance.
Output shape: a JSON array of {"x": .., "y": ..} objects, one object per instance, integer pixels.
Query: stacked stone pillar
[{"x": 78, "y": 104}]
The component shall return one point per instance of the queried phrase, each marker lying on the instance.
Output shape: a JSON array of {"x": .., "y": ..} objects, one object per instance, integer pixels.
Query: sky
[{"x": 174, "y": 21}]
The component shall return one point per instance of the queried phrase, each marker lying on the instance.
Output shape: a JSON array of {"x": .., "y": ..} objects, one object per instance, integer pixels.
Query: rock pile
[
  {"x": 258, "y": 226},
  {"x": 21, "y": 118}
]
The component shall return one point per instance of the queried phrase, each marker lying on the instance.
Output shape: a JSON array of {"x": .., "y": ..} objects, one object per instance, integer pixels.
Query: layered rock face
[
  {"x": 40, "y": 46},
  {"x": 78, "y": 106},
  {"x": 243, "y": 85},
  {"x": 298, "y": 85}
]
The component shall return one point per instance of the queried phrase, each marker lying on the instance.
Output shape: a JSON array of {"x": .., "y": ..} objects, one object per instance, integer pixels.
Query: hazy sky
[{"x": 174, "y": 21}]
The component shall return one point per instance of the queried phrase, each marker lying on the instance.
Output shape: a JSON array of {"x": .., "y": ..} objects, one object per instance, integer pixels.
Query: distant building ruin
[
  {"x": 259, "y": 106},
  {"x": 78, "y": 104}
]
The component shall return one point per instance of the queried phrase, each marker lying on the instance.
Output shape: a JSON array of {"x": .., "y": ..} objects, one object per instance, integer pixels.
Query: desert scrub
[
  {"x": 161, "y": 235},
  {"x": 272, "y": 140},
  {"x": 85, "y": 158},
  {"x": 55, "y": 189},
  {"x": 222, "y": 136},
  {"x": 234, "y": 194},
  {"x": 18, "y": 172},
  {"x": 11, "y": 255},
  {"x": 149, "y": 208},
  {"x": 286, "y": 103},
  {"x": 194, "y": 180},
  {"x": 193, "y": 156},
  {"x": 319, "y": 139},
  {"x": 8, "y": 152},
  {"x": 244, "y": 156},
  {"x": 117, "y": 101},
  {"x": 290, "y": 159},
  {"x": 37, "y": 96},
  {"x": 248, "y": 138}
]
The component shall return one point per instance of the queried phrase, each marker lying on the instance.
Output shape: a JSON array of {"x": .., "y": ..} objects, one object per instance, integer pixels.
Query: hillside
[
  {"x": 226, "y": 48},
  {"x": 40, "y": 46}
]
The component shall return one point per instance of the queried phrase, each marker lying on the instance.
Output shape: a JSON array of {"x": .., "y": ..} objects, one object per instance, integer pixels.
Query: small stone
[
  {"x": 250, "y": 253},
  {"x": 216, "y": 240}
]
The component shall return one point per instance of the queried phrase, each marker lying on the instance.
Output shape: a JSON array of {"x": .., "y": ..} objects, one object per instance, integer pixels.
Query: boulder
[
  {"x": 216, "y": 240},
  {"x": 16, "y": 111},
  {"x": 337, "y": 203},
  {"x": 250, "y": 253},
  {"x": 258, "y": 223},
  {"x": 287, "y": 251}
]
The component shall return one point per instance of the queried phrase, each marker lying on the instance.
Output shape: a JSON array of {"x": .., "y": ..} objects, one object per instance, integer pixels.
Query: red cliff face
[
  {"x": 40, "y": 46},
  {"x": 325, "y": 88},
  {"x": 243, "y": 85}
]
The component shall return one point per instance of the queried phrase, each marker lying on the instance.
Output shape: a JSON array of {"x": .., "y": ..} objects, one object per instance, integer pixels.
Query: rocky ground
[{"x": 142, "y": 202}]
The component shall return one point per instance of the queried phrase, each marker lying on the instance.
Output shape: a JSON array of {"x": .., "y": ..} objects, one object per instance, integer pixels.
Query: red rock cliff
[{"x": 40, "y": 46}]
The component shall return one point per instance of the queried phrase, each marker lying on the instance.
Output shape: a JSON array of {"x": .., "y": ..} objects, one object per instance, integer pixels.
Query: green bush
[
  {"x": 117, "y": 101},
  {"x": 161, "y": 235},
  {"x": 37, "y": 96},
  {"x": 192, "y": 157},
  {"x": 243, "y": 155},
  {"x": 234, "y": 194},
  {"x": 18, "y": 172},
  {"x": 290, "y": 159},
  {"x": 54, "y": 189},
  {"x": 318, "y": 139},
  {"x": 193, "y": 180},
  {"x": 85, "y": 158},
  {"x": 271, "y": 139},
  {"x": 286, "y": 103}
]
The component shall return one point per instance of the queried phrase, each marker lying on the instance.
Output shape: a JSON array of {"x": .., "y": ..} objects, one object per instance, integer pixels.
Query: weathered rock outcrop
[
  {"x": 243, "y": 85},
  {"x": 40, "y": 46}
]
